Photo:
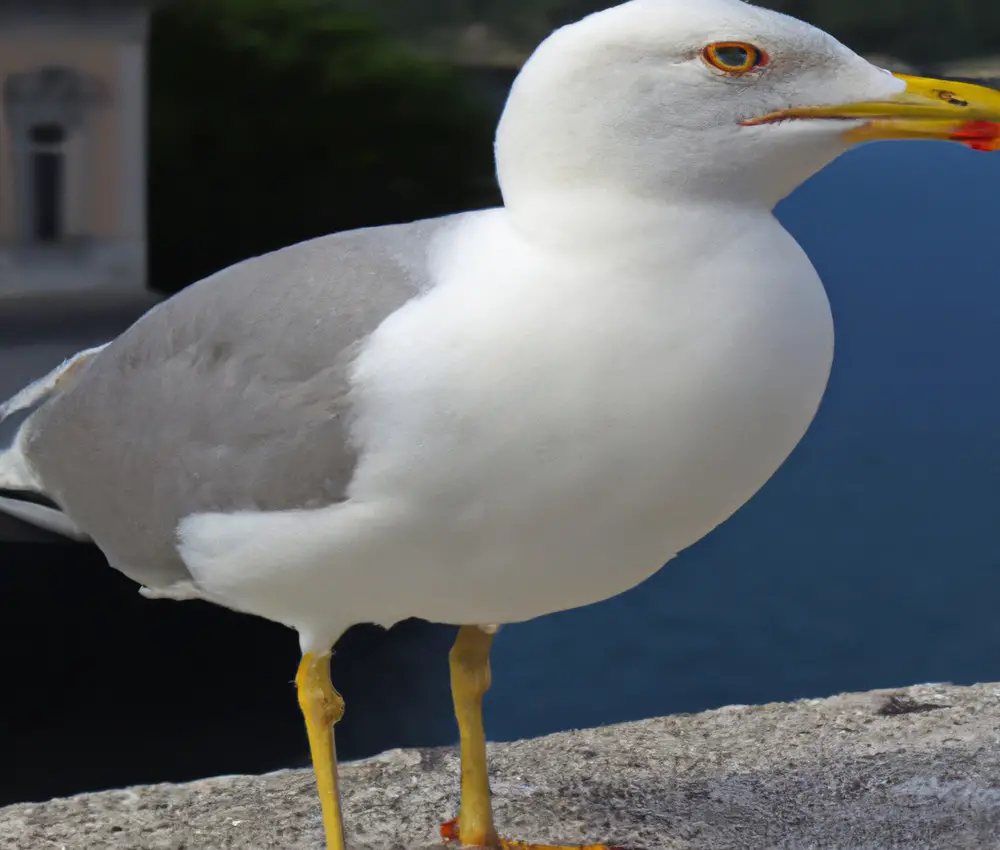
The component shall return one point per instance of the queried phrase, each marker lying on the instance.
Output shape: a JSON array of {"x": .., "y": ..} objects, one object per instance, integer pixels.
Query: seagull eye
[{"x": 735, "y": 57}]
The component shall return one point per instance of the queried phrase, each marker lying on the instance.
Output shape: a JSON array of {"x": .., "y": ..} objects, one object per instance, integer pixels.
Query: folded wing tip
[{"x": 36, "y": 510}]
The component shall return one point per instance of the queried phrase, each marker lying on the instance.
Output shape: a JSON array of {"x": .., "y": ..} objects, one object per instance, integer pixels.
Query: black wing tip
[{"x": 30, "y": 497}]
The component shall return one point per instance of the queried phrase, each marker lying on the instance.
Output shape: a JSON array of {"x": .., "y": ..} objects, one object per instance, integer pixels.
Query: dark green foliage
[{"x": 274, "y": 121}]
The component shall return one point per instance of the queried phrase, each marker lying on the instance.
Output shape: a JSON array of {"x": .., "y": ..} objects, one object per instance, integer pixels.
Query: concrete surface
[{"x": 917, "y": 768}]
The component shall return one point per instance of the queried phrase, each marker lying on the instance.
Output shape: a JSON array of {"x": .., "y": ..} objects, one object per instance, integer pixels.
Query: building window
[{"x": 48, "y": 178}]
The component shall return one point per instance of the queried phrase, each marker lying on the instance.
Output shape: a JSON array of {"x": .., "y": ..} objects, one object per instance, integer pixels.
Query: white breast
[
  {"x": 557, "y": 440},
  {"x": 536, "y": 442}
]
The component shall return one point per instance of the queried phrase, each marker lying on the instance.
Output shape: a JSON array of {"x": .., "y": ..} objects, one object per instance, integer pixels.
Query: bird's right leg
[
  {"x": 470, "y": 679},
  {"x": 322, "y": 707}
]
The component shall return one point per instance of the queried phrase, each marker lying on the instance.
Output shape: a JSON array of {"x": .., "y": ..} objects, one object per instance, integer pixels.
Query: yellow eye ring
[{"x": 735, "y": 57}]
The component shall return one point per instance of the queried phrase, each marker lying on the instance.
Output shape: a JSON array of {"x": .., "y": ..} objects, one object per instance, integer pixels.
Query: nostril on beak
[
  {"x": 954, "y": 99},
  {"x": 951, "y": 97}
]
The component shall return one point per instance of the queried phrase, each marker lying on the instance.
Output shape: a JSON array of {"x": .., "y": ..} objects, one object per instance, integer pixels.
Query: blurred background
[{"x": 144, "y": 145}]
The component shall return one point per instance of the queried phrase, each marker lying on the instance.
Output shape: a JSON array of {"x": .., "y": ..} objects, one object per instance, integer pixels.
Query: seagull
[{"x": 487, "y": 417}]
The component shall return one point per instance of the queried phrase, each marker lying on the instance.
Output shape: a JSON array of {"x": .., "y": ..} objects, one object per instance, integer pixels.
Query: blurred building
[
  {"x": 72, "y": 145},
  {"x": 72, "y": 183}
]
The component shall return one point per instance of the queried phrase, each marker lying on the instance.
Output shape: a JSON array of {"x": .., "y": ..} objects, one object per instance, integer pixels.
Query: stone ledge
[{"x": 916, "y": 768}]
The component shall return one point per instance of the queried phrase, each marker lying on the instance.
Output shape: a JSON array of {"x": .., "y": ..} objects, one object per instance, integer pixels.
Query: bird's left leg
[
  {"x": 470, "y": 679},
  {"x": 322, "y": 707}
]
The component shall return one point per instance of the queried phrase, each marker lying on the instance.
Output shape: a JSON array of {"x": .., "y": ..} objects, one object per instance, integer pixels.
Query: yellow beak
[{"x": 926, "y": 109}]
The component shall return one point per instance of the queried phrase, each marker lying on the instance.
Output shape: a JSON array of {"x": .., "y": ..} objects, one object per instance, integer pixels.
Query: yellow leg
[
  {"x": 322, "y": 707},
  {"x": 470, "y": 679}
]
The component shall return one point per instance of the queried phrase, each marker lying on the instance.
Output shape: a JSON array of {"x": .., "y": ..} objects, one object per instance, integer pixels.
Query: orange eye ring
[{"x": 735, "y": 57}]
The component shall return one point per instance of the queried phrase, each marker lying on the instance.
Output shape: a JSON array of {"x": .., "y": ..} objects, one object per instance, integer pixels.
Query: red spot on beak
[{"x": 979, "y": 135}]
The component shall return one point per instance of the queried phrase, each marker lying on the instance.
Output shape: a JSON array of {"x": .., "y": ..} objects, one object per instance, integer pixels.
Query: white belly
[{"x": 529, "y": 449}]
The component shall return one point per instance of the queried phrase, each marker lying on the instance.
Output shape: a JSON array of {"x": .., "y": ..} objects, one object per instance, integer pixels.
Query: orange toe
[{"x": 449, "y": 832}]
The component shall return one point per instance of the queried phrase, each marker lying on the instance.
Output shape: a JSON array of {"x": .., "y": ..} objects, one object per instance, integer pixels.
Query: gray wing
[{"x": 228, "y": 396}]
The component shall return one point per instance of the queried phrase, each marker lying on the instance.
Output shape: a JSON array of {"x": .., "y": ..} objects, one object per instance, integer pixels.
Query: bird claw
[{"x": 449, "y": 832}]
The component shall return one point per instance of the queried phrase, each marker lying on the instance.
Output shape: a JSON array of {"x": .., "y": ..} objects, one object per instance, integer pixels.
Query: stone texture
[{"x": 915, "y": 768}]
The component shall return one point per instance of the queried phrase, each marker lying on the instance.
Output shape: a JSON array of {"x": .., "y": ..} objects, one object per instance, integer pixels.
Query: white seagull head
[{"x": 714, "y": 100}]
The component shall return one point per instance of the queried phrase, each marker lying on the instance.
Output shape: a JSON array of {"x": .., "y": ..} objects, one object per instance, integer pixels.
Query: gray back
[{"x": 228, "y": 396}]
